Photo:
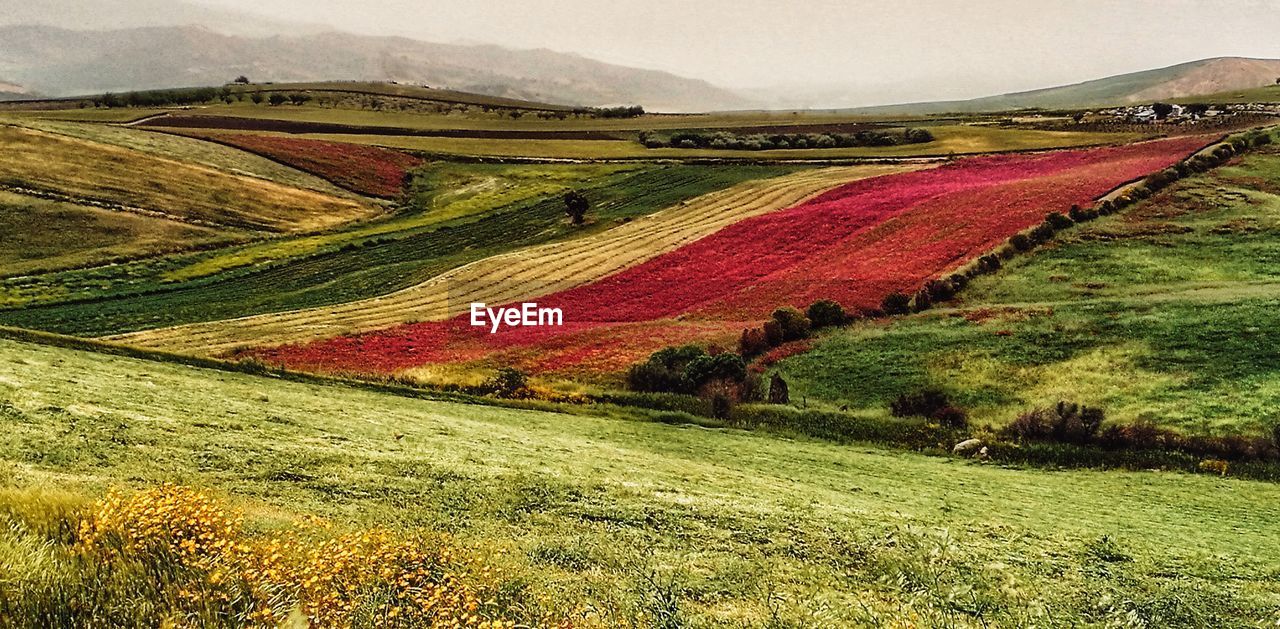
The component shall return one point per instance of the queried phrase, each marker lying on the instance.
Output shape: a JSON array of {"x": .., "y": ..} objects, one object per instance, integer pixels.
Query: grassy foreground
[{"x": 592, "y": 516}]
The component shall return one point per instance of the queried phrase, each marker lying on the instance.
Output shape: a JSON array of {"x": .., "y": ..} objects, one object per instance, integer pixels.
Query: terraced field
[
  {"x": 383, "y": 264},
  {"x": 518, "y": 275},
  {"x": 134, "y": 181}
]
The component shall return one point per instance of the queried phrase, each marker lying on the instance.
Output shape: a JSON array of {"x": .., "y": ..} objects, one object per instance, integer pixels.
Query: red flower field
[
  {"x": 855, "y": 244},
  {"x": 368, "y": 170}
]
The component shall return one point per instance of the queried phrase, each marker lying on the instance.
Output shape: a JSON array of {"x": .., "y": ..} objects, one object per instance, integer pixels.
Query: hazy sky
[{"x": 887, "y": 50}]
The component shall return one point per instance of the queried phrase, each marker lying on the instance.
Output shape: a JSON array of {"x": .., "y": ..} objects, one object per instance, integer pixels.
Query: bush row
[
  {"x": 1076, "y": 424},
  {"x": 943, "y": 289},
  {"x": 764, "y": 142}
]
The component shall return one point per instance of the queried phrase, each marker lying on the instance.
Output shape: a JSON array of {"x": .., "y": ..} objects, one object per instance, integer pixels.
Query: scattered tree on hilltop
[{"x": 242, "y": 80}]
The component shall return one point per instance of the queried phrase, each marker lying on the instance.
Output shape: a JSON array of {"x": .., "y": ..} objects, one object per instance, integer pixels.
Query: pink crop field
[
  {"x": 370, "y": 170},
  {"x": 854, "y": 244}
]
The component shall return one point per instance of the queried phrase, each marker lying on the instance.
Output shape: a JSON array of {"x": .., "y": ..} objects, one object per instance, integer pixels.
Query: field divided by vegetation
[
  {"x": 378, "y": 264},
  {"x": 854, "y": 244},
  {"x": 134, "y": 181},
  {"x": 1164, "y": 313},
  {"x": 626, "y": 518},
  {"x": 521, "y": 274}
]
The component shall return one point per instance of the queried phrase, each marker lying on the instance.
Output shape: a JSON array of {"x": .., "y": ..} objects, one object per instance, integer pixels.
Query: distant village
[{"x": 1164, "y": 113}]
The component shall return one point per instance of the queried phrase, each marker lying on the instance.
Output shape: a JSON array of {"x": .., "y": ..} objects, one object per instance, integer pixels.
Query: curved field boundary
[
  {"x": 853, "y": 244},
  {"x": 514, "y": 276}
]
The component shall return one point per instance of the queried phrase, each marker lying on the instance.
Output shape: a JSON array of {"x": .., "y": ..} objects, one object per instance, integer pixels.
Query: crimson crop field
[
  {"x": 368, "y": 170},
  {"x": 855, "y": 244}
]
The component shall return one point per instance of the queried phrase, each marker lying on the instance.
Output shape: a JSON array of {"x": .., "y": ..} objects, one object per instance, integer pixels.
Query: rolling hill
[
  {"x": 59, "y": 61},
  {"x": 1206, "y": 76}
]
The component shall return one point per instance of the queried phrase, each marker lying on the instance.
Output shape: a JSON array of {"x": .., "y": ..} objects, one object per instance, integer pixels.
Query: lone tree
[
  {"x": 576, "y": 205},
  {"x": 242, "y": 79}
]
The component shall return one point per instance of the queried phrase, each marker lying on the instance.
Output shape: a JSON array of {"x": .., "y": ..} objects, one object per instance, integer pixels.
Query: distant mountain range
[
  {"x": 60, "y": 62},
  {"x": 75, "y": 47},
  {"x": 1195, "y": 78}
]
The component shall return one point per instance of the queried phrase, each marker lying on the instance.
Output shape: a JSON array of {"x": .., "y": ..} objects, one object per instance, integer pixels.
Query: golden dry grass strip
[
  {"x": 514, "y": 276},
  {"x": 130, "y": 179}
]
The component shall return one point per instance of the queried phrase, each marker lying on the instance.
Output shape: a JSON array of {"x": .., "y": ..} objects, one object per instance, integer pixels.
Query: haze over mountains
[
  {"x": 1206, "y": 76},
  {"x": 69, "y": 47}
]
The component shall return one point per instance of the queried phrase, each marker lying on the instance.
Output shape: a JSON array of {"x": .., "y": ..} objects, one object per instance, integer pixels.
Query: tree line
[{"x": 766, "y": 141}]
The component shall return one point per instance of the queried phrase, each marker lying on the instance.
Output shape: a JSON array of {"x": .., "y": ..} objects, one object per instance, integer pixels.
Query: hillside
[
  {"x": 723, "y": 528},
  {"x": 1206, "y": 76},
  {"x": 62, "y": 62}
]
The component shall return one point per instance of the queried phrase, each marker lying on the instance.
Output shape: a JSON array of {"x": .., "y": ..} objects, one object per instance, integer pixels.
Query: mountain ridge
[
  {"x": 1188, "y": 79},
  {"x": 61, "y": 62}
]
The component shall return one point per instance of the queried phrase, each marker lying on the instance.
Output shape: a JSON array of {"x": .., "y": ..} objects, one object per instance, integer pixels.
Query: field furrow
[{"x": 524, "y": 274}]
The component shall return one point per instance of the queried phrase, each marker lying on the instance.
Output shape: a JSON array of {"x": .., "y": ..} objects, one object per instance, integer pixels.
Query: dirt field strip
[{"x": 519, "y": 275}]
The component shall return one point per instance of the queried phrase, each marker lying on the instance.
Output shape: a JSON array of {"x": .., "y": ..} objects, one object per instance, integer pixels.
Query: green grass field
[
  {"x": 1165, "y": 312},
  {"x": 729, "y": 528},
  {"x": 951, "y": 140},
  {"x": 369, "y": 266},
  {"x": 36, "y": 236}
]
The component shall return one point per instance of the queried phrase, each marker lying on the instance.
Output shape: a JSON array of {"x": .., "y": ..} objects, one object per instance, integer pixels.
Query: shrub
[
  {"x": 1059, "y": 221},
  {"x": 725, "y": 366},
  {"x": 664, "y": 371},
  {"x": 753, "y": 342},
  {"x": 826, "y": 313},
  {"x": 508, "y": 382},
  {"x": 1064, "y": 423},
  {"x": 773, "y": 332},
  {"x": 778, "y": 392},
  {"x": 1075, "y": 214},
  {"x": 921, "y": 301},
  {"x": 989, "y": 263},
  {"x": 1041, "y": 233},
  {"x": 895, "y": 303},
  {"x": 941, "y": 290},
  {"x": 924, "y": 403},
  {"x": 793, "y": 324},
  {"x": 1020, "y": 242},
  {"x": 951, "y": 416}
]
